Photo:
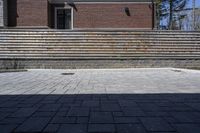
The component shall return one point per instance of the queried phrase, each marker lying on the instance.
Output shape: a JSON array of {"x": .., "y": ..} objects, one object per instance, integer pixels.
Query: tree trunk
[
  {"x": 193, "y": 16},
  {"x": 170, "y": 14}
]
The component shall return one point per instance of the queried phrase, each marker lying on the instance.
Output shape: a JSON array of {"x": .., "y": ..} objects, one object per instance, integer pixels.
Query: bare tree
[
  {"x": 193, "y": 16},
  {"x": 167, "y": 10},
  {"x": 197, "y": 19}
]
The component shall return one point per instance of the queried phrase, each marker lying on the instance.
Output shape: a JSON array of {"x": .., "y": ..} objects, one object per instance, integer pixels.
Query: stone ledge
[
  {"x": 87, "y": 64},
  {"x": 12, "y": 70}
]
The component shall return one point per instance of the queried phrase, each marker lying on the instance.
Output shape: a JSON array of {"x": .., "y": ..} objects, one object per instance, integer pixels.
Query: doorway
[{"x": 63, "y": 18}]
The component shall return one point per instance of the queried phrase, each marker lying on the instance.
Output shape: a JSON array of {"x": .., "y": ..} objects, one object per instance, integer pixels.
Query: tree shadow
[
  {"x": 104, "y": 113},
  {"x": 12, "y": 13}
]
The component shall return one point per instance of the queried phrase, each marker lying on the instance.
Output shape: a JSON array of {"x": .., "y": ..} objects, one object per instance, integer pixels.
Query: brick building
[{"x": 77, "y": 14}]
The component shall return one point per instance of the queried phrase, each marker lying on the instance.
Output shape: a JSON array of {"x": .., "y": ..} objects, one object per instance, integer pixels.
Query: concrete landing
[{"x": 100, "y": 101}]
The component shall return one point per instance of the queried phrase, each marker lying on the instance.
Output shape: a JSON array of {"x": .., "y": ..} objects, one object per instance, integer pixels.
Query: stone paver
[
  {"x": 188, "y": 128},
  {"x": 73, "y": 128},
  {"x": 100, "y": 101},
  {"x": 156, "y": 124},
  {"x": 33, "y": 125},
  {"x": 101, "y": 128},
  {"x": 130, "y": 128},
  {"x": 101, "y": 117}
]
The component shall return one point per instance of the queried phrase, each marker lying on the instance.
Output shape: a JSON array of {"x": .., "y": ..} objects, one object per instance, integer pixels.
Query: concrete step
[
  {"x": 97, "y": 47},
  {"x": 101, "y": 41},
  {"x": 102, "y": 50},
  {"x": 96, "y": 39},
  {"x": 99, "y": 36},
  {"x": 31, "y": 48},
  {"x": 83, "y": 58},
  {"x": 134, "y": 46},
  {"x": 97, "y": 52},
  {"x": 99, "y": 56},
  {"x": 111, "y": 44}
]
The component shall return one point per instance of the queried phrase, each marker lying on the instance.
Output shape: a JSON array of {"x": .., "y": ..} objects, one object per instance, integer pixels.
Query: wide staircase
[{"x": 43, "y": 48}]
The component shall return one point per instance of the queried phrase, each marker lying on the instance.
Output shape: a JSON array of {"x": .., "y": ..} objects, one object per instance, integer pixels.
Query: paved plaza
[{"x": 157, "y": 100}]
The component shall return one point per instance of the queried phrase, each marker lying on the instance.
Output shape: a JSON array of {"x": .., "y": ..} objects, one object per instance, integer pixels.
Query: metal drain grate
[
  {"x": 177, "y": 71},
  {"x": 67, "y": 73}
]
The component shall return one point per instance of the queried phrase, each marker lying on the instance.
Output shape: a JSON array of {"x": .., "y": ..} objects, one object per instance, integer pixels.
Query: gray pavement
[{"x": 159, "y": 100}]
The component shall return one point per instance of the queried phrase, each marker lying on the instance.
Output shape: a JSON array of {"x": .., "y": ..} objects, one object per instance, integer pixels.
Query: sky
[
  {"x": 197, "y": 3},
  {"x": 189, "y": 5}
]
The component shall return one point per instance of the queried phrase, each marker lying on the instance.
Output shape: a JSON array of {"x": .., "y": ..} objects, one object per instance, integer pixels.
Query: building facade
[{"x": 77, "y": 14}]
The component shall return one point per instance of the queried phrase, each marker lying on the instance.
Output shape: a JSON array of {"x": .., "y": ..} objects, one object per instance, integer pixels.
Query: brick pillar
[{"x": 3, "y": 13}]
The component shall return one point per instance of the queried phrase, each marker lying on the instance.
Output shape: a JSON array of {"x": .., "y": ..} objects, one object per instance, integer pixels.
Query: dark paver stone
[
  {"x": 192, "y": 117},
  {"x": 63, "y": 120},
  {"x": 64, "y": 108},
  {"x": 22, "y": 105},
  {"x": 82, "y": 120},
  {"x": 66, "y": 100},
  {"x": 156, "y": 124},
  {"x": 170, "y": 120},
  {"x": 3, "y": 115},
  {"x": 126, "y": 120},
  {"x": 91, "y": 103},
  {"x": 61, "y": 113},
  {"x": 133, "y": 111},
  {"x": 101, "y": 128},
  {"x": 109, "y": 102},
  {"x": 33, "y": 125},
  {"x": 127, "y": 103},
  {"x": 95, "y": 109},
  {"x": 43, "y": 114},
  {"x": 188, "y": 128},
  {"x": 9, "y": 104},
  {"x": 52, "y": 128},
  {"x": 78, "y": 111},
  {"x": 24, "y": 112},
  {"x": 110, "y": 107},
  {"x": 149, "y": 107},
  {"x": 101, "y": 117},
  {"x": 9, "y": 110},
  {"x": 33, "y": 100},
  {"x": 7, "y": 128},
  {"x": 130, "y": 128},
  {"x": 13, "y": 120},
  {"x": 157, "y": 114},
  {"x": 117, "y": 114},
  {"x": 195, "y": 106},
  {"x": 73, "y": 128},
  {"x": 50, "y": 107}
]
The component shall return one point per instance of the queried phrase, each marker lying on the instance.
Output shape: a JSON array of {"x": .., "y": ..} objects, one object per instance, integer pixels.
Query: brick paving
[{"x": 100, "y": 101}]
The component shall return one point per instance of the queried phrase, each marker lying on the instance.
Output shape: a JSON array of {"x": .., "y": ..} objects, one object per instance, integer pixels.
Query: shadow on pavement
[{"x": 100, "y": 113}]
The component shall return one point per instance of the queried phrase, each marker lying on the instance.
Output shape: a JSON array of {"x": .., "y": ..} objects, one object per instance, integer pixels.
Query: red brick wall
[
  {"x": 35, "y": 13},
  {"x": 27, "y": 12},
  {"x": 112, "y": 16}
]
